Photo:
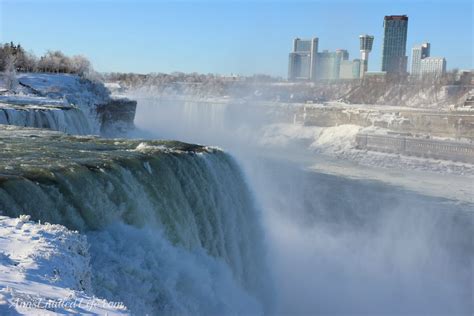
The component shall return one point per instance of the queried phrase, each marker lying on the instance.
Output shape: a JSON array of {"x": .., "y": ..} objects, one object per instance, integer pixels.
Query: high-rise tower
[
  {"x": 302, "y": 61},
  {"x": 366, "y": 42},
  {"x": 419, "y": 53},
  {"x": 394, "y": 59}
]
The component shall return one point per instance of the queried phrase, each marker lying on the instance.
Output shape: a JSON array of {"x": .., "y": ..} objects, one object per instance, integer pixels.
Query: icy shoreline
[{"x": 340, "y": 142}]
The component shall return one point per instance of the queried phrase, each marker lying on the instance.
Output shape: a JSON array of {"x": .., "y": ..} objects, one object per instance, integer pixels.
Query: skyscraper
[
  {"x": 394, "y": 59},
  {"x": 418, "y": 53},
  {"x": 366, "y": 43},
  {"x": 302, "y": 61}
]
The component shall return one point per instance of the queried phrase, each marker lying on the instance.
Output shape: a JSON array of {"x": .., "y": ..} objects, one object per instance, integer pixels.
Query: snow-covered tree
[
  {"x": 80, "y": 65},
  {"x": 10, "y": 73}
]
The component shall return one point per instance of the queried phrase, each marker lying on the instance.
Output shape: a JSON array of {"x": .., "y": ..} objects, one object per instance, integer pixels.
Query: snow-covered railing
[{"x": 429, "y": 148}]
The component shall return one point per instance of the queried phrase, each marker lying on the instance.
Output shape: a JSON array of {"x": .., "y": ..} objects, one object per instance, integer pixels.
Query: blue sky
[{"x": 243, "y": 37}]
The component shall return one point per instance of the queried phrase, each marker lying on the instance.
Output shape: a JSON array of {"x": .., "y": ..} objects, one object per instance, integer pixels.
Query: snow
[
  {"x": 144, "y": 147},
  {"x": 373, "y": 107},
  {"x": 286, "y": 134},
  {"x": 339, "y": 142},
  {"x": 45, "y": 270},
  {"x": 33, "y": 100},
  {"x": 327, "y": 140},
  {"x": 113, "y": 85},
  {"x": 42, "y": 91},
  {"x": 336, "y": 138}
]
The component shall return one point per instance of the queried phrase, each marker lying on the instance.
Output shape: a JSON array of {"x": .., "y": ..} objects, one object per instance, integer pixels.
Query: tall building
[
  {"x": 366, "y": 43},
  {"x": 418, "y": 53},
  {"x": 394, "y": 59},
  {"x": 435, "y": 66},
  {"x": 302, "y": 60}
]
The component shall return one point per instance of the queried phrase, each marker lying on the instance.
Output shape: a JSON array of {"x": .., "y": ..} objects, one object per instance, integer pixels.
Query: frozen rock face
[
  {"x": 116, "y": 116},
  {"x": 415, "y": 121}
]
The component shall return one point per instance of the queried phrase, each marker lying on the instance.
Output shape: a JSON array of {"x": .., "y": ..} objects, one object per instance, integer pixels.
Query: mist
[{"x": 336, "y": 245}]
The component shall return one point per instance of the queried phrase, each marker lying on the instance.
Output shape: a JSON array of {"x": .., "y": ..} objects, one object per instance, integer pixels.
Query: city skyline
[{"x": 241, "y": 38}]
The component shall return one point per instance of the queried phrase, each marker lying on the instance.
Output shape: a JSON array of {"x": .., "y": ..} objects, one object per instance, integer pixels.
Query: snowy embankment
[
  {"x": 340, "y": 142},
  {"x": 60, "y": 102},
  {"x": 45, "y": 270}
]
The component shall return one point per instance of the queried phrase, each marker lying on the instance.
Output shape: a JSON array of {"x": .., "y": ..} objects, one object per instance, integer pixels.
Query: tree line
[{"x": 16, "y": 58}]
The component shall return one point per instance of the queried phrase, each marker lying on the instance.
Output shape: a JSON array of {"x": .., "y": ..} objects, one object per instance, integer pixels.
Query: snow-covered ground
[
  {"x": 33, "y": 100},
  {"x": 45, "y": 270},
  {"x": 339, "y": 142}
]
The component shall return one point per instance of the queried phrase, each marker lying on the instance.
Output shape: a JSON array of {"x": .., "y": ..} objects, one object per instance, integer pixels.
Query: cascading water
[
  {"x": 338, "y": 245},
  {"x": 70, "y": 120},
  {"x": 172, "y": 227},
  {"x": 61, "y": 102}
]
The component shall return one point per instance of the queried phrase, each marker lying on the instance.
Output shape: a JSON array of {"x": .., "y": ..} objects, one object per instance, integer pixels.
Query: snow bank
[
  {"x": 287, "y": 134},
  {"x": 336, "y": 138},
  {"x": 45, "y": 269},
  {"x": 41, "y": 92},
  {"x": 339, "y": 142},
  {"x": 319, "y": 139},
  {"x": 33, "y": 100}
]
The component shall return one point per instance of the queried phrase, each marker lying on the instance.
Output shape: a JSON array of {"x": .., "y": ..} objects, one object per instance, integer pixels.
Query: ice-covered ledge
[{"x": 66, "y": 103}]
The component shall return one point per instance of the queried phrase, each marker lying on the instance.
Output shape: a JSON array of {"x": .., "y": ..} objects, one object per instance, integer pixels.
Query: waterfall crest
[{"x": 172, "y": 226}]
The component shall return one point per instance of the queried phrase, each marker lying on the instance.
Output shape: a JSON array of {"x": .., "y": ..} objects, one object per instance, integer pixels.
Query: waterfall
[
  {"x": 71, "y": 120},
  {"x": 172, "y": 227}
]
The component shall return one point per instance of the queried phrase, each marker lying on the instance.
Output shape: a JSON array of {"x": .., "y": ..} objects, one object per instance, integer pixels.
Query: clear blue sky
[{"x": 225, "y": 37}]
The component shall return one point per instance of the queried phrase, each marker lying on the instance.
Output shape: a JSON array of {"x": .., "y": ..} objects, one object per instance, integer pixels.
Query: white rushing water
[
  {"x": 172, "y": 227},
  {"x": 60, "y": 102},
  {"x": 175, "y": 228},
  {"x": 71, "y": 120},
  {"x": 337, "y": 245}
]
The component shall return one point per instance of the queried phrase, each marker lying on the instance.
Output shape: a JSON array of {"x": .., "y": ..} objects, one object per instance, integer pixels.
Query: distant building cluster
[
  {"x": 423, "y": 64},
  {"x": 308, "y": 64}
]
